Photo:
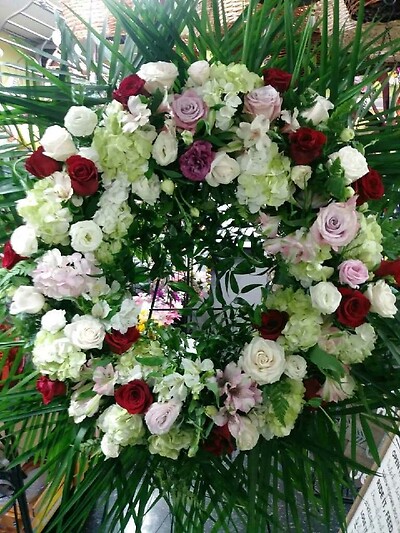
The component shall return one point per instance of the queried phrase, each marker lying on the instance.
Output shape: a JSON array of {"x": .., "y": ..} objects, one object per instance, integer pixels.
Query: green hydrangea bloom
[
  {"x": 171, "y": 443},
  {"x": 367, "y": 246}
]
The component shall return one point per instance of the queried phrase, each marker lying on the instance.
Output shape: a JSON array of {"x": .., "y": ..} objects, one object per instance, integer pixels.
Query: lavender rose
[
  {"x": 160, "y": 416},
  {"x": 337, "y": 224},
  {"x": 188, "y": 108},
  {"x": 353, "y": 272},
  {"x": 195, "y": 163},
  {"x": 264, "y": 101}
]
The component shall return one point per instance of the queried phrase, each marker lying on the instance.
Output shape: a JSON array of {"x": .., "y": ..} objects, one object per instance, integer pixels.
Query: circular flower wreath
[{"x": 127, "y": 215}]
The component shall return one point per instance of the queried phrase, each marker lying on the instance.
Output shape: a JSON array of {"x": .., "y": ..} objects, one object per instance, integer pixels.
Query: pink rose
[
  {"x": 353, "y": 272},
  {"x": 337, "y": 224},
  {"x": 160, "y": 416},
  {"x": 264, "y": 101},
  {"x": 188, "y": 108}
]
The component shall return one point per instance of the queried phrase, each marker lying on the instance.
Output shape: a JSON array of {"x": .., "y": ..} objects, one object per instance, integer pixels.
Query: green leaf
[{"x": 326, "y": 362}]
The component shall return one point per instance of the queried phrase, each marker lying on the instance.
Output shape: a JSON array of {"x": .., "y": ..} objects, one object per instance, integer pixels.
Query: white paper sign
[{"x": 378, "y": 509}]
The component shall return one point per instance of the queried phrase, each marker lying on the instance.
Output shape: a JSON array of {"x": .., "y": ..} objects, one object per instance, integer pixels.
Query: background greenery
[{"x": 251, "y": 487}]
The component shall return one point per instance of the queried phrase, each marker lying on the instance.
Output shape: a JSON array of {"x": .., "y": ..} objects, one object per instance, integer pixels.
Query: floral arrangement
[{"x": 173, "y": 172}]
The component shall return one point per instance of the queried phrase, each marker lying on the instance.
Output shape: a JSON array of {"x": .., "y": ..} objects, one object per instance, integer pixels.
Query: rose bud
[
  {"x": 389, "y": 268},
  {"x": 49, "y": 388},
  {"x": 121, "y": 342},
  {"x": 272, "y": 324},
  {"x": 130, "y": 86},
  {"x": 306, "y": 145},
  {"x": 41, "y": 165},
  {"x": 369, "y": 187},
  {"x": 10, "y": 257},
  {"x": 219, "y": 441},
  {"x": 353, "y": 307},
  {"x": 277, "y": 78}
]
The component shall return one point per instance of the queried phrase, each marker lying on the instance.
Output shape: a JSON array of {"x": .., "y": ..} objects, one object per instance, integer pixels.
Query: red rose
[
  {"x": 135, "y": 397},
  {"x": 121, "y": 342},
  {"x": 219, "y": 441},
  {"x": 389, "y": 268},
  {"x": 369, "y": 187},
  {"x": 306, "y": 145},
  {"x": 272, "y": 324},
  {"x": 10, "y": 258},
  {"x": 49, "y": 388},
  {"x": 312, "y": 386},
  {"x": 41, "y": 165},
  {"x": 279, "y": 79},
  {"x": 83, "y": 174},
  {"x": 353, "y": 308},
  {"x": 130, "y": 86}
]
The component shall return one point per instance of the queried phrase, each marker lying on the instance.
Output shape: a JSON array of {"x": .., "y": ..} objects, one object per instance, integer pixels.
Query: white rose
[
  {"x": 353, "y": 163},
  {"x": 224, "y": 169},
  {"x": 248, "y": 434},
  {"x": 300, "y": 174},
  {"x": 23, "y": 241},
  {"x": 86, "y": 236},
  {"x": 160, "y": 416},
  {"x": 85, "y": 332},
  {"x": 263, "y": 360},
  {"x": 80, "y": 121},
  {"x": 165, "y": 148},
  {"x": 319, "y": 111},
  {"x": 325, "y": 297},
  {"x": 54, "y": 320},
  {"x": 199, "y": 72},
  {"x": 57, "y": 143},
  {"x": 27, "y": 299},
  {"x": 296, "y": 367},
  {"x": 383, "y": 301},
  {"x": 147, "y": 189},
  {"x": 158, "y": 75}
]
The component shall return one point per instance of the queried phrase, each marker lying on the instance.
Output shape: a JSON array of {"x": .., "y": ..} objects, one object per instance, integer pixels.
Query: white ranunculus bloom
[
  {"x": 147, "y": 189},
  {"x": 158, "y": 75},
  {"x": 27, "y": 299},
  {"x": 54, "y": 320},
  {"x": 383, "y": 301},
  {"x": 318, "y": 112},
  {"x": 353, "y": 163},
  {"x": 296, "y": 367},
  {"x": 199, "y": 72},
  {"x": 263, "y": 360},
  {"x": 86, "y": 236},
  {"x": 325, "y": 297},
  {"x": 300, "y": 174},
  {"x": 23, "y": 241},
  {"x": 224, "y": 169},
  {"x": 80, "y": 121},
  {"x": 85, "y": 332},
  {"x": 57, "y": 143},
  {"x": 165, "y": 148}
]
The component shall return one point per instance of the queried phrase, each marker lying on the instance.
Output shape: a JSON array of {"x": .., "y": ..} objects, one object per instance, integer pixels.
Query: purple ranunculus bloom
[{"x": 195, "y": 163}]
